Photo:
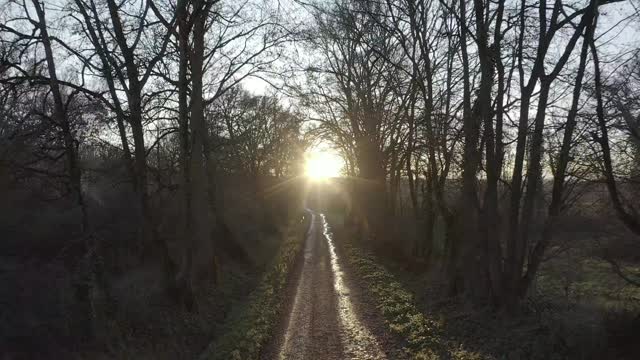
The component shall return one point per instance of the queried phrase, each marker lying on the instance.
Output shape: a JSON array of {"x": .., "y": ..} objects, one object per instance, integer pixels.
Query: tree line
[
  {"x": 150, "y": 95},
  {"x": 496, "y": 115},
  {"x": 493, "y": 115}
]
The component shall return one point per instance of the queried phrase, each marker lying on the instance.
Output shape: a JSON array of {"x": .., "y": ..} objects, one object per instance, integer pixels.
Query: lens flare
[{"x": 323, "y": 164}]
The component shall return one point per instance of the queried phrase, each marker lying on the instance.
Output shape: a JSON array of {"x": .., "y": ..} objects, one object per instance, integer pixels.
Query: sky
[{"x": 256, "y": 85}]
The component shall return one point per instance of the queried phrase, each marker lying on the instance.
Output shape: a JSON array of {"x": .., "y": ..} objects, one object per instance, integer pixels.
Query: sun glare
[{"x": 323, "y": 164}]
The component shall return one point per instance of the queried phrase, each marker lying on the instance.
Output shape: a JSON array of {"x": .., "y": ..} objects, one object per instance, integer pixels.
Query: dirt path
[{"x": 326, "y": 318}]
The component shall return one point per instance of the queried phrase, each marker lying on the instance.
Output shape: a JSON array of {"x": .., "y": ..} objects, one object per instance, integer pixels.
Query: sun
[{"x": 322, "y": 164}]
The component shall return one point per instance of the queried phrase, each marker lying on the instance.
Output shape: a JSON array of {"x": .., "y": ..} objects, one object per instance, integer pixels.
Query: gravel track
[{"x": 327, "y": 316}]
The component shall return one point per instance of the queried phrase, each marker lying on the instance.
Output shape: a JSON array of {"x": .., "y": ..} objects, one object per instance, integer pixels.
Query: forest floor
[
  {"x": 596, "y": 319},
  {"x": 328, "y": 315}
]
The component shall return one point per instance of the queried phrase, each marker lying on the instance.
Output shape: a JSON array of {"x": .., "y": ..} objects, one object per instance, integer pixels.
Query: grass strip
[
  {"x": 397, "y": 305},
  {"x": 249, "y": 327}
]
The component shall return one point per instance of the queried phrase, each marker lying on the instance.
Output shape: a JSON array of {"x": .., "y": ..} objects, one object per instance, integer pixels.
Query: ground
[{"x": 328, "y": 316}]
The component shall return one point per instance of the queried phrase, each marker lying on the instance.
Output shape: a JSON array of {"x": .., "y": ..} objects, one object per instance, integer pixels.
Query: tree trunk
[
  {"x": 134, "y": 97},
  {"x": 82, "y": 284},
  {"x": 203, "y": 268},
  {"x": 181, "y": 288},
  {"x": 627, "y": 217}
]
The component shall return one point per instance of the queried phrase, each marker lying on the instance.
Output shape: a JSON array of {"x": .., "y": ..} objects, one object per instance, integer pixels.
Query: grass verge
[
  {"x": 248, "y": 328},
  {"x": 397, "y": 305},
  {"x": 438, "y": 328}
]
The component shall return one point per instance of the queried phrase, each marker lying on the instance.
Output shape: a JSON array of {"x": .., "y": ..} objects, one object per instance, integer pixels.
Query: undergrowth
[
  {"x": 397, "y": 305},
  {"x": 248, "y": 328},
  {"x": 450, "y": 330}
]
